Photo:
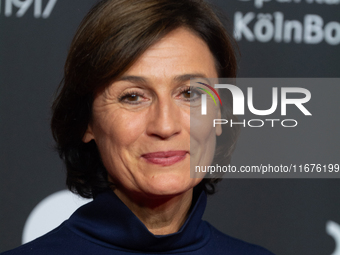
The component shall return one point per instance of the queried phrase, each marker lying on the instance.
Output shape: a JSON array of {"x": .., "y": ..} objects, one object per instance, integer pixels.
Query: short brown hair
[{"x": 111, "y": 37}]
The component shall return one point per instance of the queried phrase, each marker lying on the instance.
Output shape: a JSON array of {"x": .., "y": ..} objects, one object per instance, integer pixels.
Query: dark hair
[{"x": 111, "y": 37}]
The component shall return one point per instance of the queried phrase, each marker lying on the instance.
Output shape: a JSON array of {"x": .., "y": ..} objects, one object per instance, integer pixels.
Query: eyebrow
[
  {"x": 186, "y": 77},
  {"x": 178, "y": 78},
  {"x": 133, "y": 79}
]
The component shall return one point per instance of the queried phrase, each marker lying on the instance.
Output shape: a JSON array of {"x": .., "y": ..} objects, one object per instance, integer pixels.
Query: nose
[{"x": 164, "y": 119}]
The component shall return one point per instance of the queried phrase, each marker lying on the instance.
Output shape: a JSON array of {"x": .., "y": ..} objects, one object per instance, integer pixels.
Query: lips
[{"x": 165, "y": 158}]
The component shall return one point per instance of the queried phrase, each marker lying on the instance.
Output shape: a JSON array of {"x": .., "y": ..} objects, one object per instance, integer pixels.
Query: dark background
[{"x": 287, "y": 216}]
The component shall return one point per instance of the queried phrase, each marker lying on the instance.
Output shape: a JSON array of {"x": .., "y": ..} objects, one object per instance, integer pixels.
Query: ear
[
  {"x": 88, "y": 136},
  {"x": 218, "y": 127}
]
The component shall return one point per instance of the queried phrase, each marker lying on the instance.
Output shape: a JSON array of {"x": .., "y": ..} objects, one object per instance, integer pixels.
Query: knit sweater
[{"x": 107, "y": 226}]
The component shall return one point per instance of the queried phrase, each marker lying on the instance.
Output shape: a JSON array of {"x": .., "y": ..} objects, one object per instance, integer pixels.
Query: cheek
[
  {"x": 129, "y": 127},
  {"x": 201, "y": 126},
  {"x": 203, "y": 135},
  {"x": 118, "y": 130},
  {"x": 117, "y": 135}
]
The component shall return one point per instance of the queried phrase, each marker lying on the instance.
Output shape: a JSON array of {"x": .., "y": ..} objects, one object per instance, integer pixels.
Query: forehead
[{"x": 178, "y": 53}]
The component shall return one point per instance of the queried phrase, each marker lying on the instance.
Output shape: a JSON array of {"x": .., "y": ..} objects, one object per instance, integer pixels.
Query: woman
[{"x": 122, "y": 125}]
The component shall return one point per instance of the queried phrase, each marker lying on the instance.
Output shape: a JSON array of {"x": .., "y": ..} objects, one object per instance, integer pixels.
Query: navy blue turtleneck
[{"x": 107, "y": 226}]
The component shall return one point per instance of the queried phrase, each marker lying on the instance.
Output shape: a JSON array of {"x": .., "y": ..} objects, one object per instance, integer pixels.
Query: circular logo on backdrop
[
  {"x": 50, "y": 213},
  {"x": 333, "y": 229}
]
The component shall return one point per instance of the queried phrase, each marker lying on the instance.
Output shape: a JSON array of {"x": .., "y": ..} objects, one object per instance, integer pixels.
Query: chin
[{"x": 170, "y": 185}]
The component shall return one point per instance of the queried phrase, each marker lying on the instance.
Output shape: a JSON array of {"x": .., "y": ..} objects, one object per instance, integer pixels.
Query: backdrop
[{"x": 277, "y": 38}]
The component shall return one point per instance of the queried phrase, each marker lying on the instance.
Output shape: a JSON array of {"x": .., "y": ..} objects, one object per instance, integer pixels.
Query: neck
[{"x": 161, "y": 215}]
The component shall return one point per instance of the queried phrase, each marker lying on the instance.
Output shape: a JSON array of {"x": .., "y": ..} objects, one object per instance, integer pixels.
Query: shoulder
[
  {"x": 58, "y": 241},
  {"x": 225, "y": 244}
]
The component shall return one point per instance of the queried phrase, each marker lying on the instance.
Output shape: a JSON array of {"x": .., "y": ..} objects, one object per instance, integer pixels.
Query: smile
[{"x": 165, "y": 158}]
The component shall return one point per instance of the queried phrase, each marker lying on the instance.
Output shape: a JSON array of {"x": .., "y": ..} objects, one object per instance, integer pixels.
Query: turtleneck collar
[{"x": 107, "y": 221}]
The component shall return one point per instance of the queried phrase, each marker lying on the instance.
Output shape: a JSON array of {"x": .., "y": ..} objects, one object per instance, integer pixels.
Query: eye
[
  {"x": 131, "y": 97},
  {"x": 191, "y": 93},
  {"x": 187, "y": 93}
]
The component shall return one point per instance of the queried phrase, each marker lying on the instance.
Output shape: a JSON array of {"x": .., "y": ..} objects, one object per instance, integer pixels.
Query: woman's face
[{"x": 141, "y": 122}]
